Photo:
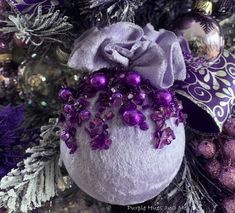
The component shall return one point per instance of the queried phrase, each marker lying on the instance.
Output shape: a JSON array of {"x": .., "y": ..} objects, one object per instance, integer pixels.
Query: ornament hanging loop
[{"x": 203, "y": 6}]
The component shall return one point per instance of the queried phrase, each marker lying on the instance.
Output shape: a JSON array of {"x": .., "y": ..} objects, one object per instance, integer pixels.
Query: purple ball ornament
[
  {"x": 133, "y": 79},
  {"x": 229, "y": 127},
  {"x": 229, "y": 150},
  {"x": 200, "y": 35},
  {"x": 116, "y": 150},
  {"x": 229, "y": 205},
  {"x": 213, "y": 167},
  {"x": 98, "y": 81},
  {"x": 227, "y": 177},
  {"x": 207, "y": 149}
]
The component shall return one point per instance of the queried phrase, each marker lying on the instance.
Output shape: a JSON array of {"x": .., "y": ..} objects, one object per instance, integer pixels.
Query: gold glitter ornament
[
  {"x": 203, "y": 6},
  {"x": 41, "y": 81}
]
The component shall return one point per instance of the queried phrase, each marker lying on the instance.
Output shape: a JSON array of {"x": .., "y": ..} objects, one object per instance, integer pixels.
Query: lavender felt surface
[
  {"x": 131, "y": 171},
  {"x": 156, "y": 55},
  {"x": 209, "y": 92}
]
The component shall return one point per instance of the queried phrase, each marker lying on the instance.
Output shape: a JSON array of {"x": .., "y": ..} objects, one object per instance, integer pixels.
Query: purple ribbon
[{"x": 208, "y": 94}]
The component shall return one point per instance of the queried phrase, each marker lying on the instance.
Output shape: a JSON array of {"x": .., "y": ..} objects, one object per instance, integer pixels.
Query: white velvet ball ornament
[{"x": 132, "y": 170}]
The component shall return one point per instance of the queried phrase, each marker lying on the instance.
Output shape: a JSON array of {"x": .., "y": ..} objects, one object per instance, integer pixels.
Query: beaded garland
[{"x": 124, "y": 92}]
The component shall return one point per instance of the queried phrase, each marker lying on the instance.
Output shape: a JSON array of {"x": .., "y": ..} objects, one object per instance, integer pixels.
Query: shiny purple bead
[
  {"x": 85, "y": 115},
  {"x": 133, "y": 79},
  {"x": 98, "y": 81},
  {"x": 69, "y": 109},
  {"x": 133, "y": 117},
  {"x": 65, "y": 135},
  {"x": 4, "y": 46},
  {"x": 73, "y": 148},
  {"x": 117, "y": 99},
  {"x": 64, "y": 94},
  {"x": 163, "y": 97},
  {"x": 139, "y": 98},
  {"x": 144, "y": 126}
]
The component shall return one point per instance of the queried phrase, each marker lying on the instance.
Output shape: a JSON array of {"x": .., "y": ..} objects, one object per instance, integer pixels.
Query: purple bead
[
  {"x": 98, "y": 81},
  {"x": 4, "y": 47},
  {"x": 64, "y": 94},
  {"x": 139, "y": 98},
  {"x": 133, "y": 79},
  {"x": 156, "y": 116},
  {"x": 133, "y": 117},
  {"x": 163, "y": 97},
  {"x": 117, "y": 99},
  {"x": 69, "y": 109},
  {"x": 85, "y": 115},
  {"x": 65, "y": 135},
  {"x": 144, "y": 126},
  {"x": 109, "y": 115}
]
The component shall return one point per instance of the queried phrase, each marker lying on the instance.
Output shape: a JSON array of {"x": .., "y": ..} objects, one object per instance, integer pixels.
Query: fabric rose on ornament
[{"x": 156, "y": 55}]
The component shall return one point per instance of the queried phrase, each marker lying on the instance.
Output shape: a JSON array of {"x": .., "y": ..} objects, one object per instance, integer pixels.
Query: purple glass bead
[
  {"x": 65, "y": 135},
  {"x": 157, "y": 116},
  {"x": 133, "y": 79},
  {"x": 101, "y": 142},
  {"x": 85, "y": 115},
  {"x": 109, "y": 115},
  {"x": 71, "y": 146},
  {"x": 69, "y": 109},
  {"x": 98, "y": 81},
  {"x": 144, "y": 126},
  {"x": 4, "y": 47},
  {"x": 139, "y": 98},
  {"x": 163, "y": 97},
  {"x": 133, "y": 117},
  {"x": 117, "y": 99},
  {"x": 64, "y": 94}
]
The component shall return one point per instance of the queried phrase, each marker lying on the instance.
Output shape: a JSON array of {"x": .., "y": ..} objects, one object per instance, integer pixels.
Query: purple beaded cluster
[{"x": 123, "y": 93}]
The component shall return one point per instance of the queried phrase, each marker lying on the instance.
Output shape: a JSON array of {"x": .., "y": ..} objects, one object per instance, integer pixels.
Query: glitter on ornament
[
  {"x": 227, "y": 177},
  {"x": 214, "y": 167},
  {"x": 206, "y": 148},
  {"x": 119, "y": 93},
  {"x": 229, "y": 204},
  {"x": 229, "y": 127},
  {"x": 229, "y": 149}
]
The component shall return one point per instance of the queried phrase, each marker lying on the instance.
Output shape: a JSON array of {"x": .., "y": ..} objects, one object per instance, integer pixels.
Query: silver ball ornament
[{"x": 201, "y": 38}]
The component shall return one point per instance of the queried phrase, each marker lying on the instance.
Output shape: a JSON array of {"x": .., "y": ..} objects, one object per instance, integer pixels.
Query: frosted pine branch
[
  {"x": 38, "y": 27},
  {"x": 35, "y": 179}
]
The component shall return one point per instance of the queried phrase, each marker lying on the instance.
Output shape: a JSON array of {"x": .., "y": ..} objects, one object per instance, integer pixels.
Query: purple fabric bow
[{"x": 156, "y": 55}]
